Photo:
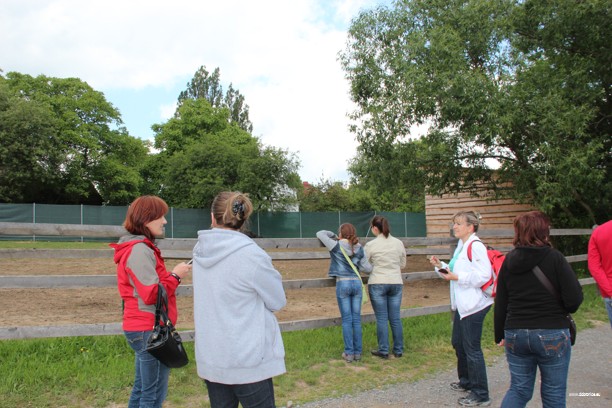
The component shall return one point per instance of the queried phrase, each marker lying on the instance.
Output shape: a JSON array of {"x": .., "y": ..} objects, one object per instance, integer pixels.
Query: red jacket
[
  {"x": 140, "y": 267},
  {"x": 600, "y": 258}
]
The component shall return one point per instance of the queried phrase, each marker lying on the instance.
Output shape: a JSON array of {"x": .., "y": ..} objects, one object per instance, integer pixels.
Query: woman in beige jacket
[{"x": 387, "y": 255}]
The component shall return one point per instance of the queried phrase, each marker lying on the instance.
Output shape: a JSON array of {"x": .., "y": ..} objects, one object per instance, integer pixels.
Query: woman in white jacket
[
  {"x": 236, "y": 289},
  {"x": 471, "y": 306}
]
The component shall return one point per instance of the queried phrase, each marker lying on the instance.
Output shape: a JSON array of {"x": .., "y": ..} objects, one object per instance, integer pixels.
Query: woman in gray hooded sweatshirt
[{"x": 235, "y": 291}]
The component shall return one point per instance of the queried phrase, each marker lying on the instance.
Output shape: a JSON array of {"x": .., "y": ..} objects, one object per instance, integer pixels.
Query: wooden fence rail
[{"x": 277, "y": 248}]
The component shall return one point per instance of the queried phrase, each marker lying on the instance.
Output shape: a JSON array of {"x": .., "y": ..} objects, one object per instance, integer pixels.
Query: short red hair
[
  {"x": 532, "y": 229},
  {"x": 142, "y": 211}
]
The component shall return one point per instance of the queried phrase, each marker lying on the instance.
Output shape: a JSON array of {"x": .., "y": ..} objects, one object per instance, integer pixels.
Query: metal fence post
[
  {"x": 34, "y": 219},
  {"x": 172, "y": 222},
  {"x": 81, "y": 220}
]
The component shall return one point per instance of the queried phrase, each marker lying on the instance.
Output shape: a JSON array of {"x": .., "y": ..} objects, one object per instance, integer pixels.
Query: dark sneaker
[
  {"x": 456, "y": 386},
  {"x": 398, "y": 355},
  {"x": 347, "y": 357},
  {"x": 357, "y": 357},
  {"x": 379, "y": 354},
  {"x": 472, "y": 401}
]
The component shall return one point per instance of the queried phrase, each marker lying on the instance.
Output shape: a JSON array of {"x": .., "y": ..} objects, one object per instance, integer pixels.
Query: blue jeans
[
  {"x": 608, "y": 302},
  {"x": 348, "y": 294},
  {"x": 254, "y": 395},
  {"x": 471, "y": 367},
  {"x": 151, "y": 378},
  {"x": 528, "y": 349},
  {"x": 386, "y": 301}
]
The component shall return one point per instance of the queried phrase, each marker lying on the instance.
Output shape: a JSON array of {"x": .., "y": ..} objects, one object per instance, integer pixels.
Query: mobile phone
[
  {"x": 189, "y": 262},
  {"x": 442, "y": 270}
]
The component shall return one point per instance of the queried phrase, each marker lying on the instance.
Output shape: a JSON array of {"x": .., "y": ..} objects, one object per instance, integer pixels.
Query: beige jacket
[{"x": 388, "y": 257}]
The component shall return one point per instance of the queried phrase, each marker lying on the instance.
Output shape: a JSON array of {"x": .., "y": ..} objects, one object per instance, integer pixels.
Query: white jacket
[{"x": 466, "y": 296}]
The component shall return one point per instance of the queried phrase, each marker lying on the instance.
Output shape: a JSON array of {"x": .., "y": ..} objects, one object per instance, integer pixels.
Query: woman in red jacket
[{"x": 140, "y": 268}]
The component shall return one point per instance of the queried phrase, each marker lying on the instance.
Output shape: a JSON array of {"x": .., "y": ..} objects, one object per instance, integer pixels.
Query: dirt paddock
[{"x": 43, "y": 307}]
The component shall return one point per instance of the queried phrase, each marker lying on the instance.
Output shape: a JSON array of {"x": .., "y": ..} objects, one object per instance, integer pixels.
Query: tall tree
[
  {"x": 208, "y": 86},
  {"x": 28, "y": 156},
  {"x": 518, "y": 87},
  {"x": 62, "y": 142},
  {"x": 202, "y": 153}
]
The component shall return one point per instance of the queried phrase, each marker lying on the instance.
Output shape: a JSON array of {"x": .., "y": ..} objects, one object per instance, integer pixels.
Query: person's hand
[
  {"x": 182, "y": 269},
  {"x": 450, "y": 276},
  {"x": 434, "y": 261},
  {"x": 502, "y": 343}
]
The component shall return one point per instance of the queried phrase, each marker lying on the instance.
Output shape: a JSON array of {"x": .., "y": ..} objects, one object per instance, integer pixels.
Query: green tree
[
  {"x": 384, "y": 177},
  {"x": 26, "y": 147},
  {"x": 326, "y": 195},
  {"x": 63, "y": 143},
  {"x": 202, "y": 153},
  {"x": 516, "y": 95},
  {"x": 329, "y": 195},
  {"x": 208, "y": 86}
]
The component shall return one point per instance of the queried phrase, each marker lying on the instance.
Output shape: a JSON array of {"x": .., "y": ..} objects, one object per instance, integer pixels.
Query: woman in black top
[{"x": 529, "y": 321}]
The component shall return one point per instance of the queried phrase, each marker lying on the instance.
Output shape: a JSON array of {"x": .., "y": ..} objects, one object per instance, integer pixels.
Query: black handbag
[
  {"x": 165, "y": 344},
  {"x": 546, "y": 282}
]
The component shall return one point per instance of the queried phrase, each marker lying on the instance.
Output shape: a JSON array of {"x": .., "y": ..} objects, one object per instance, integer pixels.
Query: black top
[{"x": 522, "y": 302}]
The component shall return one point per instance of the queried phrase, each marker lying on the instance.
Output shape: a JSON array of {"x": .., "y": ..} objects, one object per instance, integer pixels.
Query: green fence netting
[{"x": 185, "y": 223}]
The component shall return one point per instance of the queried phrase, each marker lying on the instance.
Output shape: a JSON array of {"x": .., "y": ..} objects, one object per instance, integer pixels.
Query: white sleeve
[{"x": 479, "y": 271}]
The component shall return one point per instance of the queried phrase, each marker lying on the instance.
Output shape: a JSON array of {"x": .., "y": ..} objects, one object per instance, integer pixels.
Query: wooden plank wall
[{"x": 496, "y": 215}]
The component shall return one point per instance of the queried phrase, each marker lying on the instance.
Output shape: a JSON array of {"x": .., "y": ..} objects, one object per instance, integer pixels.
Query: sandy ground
[{"x": 42, "y": 307}]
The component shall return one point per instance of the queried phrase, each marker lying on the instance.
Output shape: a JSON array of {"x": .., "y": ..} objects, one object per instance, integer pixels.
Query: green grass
[{"x": 97, "y": 371}]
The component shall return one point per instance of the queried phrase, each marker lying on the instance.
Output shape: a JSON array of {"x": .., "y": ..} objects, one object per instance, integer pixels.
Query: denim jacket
[{"x": 338, "y": 266}]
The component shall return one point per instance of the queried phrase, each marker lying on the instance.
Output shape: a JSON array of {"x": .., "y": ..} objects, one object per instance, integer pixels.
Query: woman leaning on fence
[
  {"x": 387, "y": 255},
  {"x": 140, "y": 267},
  {"x": 236, "y": 291},
  {"x": 347, "y": 258}
]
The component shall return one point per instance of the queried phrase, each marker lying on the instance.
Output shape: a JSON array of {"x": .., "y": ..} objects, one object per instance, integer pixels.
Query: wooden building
[{"x": 495, "y": 214}]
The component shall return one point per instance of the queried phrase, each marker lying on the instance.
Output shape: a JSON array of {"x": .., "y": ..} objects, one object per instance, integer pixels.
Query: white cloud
[
  {"x": 282, "y": 55},
  {"x": 166, "y": 111}
]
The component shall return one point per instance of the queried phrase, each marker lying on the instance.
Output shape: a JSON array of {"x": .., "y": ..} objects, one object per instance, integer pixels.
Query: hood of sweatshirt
[
  {"x": 216, "y": 244},
  {"x": 522, "y": 259},
  {"x": 124, "y": 244}
]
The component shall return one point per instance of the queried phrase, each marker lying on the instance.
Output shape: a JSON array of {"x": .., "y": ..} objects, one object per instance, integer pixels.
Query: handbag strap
[
  {"x": 161, "y": 306},
  {"x": 351, "y": 263},
  {"x": 548, "y": 285}
]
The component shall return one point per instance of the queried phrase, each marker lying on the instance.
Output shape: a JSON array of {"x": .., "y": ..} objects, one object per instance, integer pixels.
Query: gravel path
[{"x": 589, "y": 384}]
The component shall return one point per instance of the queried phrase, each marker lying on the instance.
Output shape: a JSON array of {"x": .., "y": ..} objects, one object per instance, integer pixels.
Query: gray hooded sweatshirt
[{"x": 235, "y": 292}]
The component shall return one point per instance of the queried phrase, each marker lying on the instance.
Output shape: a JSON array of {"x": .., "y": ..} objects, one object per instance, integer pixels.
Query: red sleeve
[{"x": 596, "y": 266}]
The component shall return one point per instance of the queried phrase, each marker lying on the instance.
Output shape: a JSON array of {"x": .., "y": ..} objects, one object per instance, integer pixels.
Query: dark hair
[
  {"x": 349, "y": 233},
  {"x": 382, "y": 224},
  {"x": 231, "y": 209},
  {"x": 142, "y": 211},
  {"x": 532, "y": 229},
  {"x": 471, "y": 217}
]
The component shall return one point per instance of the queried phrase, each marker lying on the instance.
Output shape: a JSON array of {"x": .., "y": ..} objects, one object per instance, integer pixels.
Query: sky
[{"x": 281, "y": 55}]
